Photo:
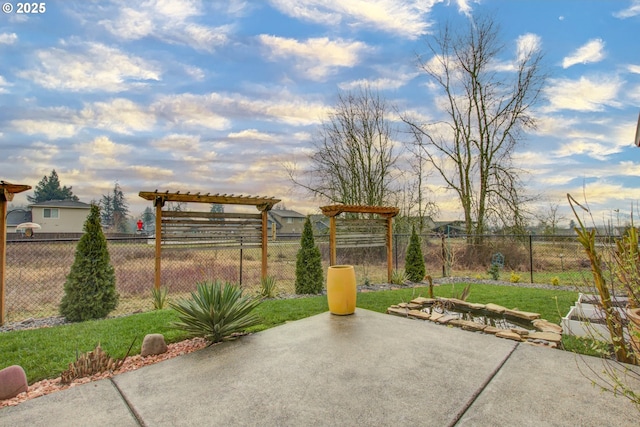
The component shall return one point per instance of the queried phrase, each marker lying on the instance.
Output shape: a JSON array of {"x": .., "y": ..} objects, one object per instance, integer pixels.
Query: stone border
[{"x": 542, "y": 332}]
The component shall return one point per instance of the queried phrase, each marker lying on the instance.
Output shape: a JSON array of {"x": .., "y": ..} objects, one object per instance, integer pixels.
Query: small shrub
[
  {"x": 399, "y": 277},
  {"x": 515, "y": 277},
  {"x": 90, "y": 363},
  {"x": 268, "y": 287},
  {"x": 309, "y": 278},
  {"x": 159, "y": 297},
  {"x": 215, "y": 311},
  {"x": 494, "y": 271},
  {"x": 414, "y": 261},
  {"x": 555, "y": 281},
  {"x": 90, "y": 288}
]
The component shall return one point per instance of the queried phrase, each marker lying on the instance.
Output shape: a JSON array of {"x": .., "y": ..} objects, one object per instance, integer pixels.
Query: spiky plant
[
  {"x": 268, "y": 287},
  {"x": 215, "y": 311}
]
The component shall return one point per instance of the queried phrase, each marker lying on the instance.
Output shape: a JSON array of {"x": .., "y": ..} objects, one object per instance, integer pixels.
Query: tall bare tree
[
  {"x": 486, "y": 106},
  {"x": 354, "y": 159}
]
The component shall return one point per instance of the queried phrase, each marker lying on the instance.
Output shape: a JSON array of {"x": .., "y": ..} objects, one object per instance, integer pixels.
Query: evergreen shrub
[
  {"x": 414, "y": 261},
  {"x": 90, "y": 288},
  {"x": 309, "y": 278}
]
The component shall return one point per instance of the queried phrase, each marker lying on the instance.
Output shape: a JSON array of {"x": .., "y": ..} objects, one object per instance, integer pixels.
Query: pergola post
[
  {"x": 7, "y": 190},
  {"x": 333, "y": 211},
  {"x": 159, "y": 203}
]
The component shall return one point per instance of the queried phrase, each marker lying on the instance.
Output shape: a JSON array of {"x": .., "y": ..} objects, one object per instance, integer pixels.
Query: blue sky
[{"x": 216, "y": 96}]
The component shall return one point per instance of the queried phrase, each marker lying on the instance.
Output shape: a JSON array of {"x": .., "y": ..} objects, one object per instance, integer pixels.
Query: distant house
[
  {"x": 450, "y": 228},
  {"x": 16, "y": 217},
  {"x": 286, "y": 221},
  {"x": 60, "y": 216}
]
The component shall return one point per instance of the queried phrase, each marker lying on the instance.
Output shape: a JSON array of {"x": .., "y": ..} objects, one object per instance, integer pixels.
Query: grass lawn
[{"x": 45, "y": 353}]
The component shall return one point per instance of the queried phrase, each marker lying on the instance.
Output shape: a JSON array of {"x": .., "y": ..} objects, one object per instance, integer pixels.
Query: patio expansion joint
[
  {"x": 482, "y": 387},
  {"x": 130, "y": 407}
]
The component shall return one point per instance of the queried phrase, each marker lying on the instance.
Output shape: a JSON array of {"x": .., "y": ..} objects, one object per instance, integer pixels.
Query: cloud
[
  {"x": 102, "y": 153},
  {"x": 404, "y": 19},
  {"x": 90, "y": 67},
  {"x": 206, "y": 110},
  {"x": 172, "y": 21},
  {"x": 251, "y": 134},
  {"x": 3, "y": 85},
  {"x": 49, "y": 128},
  {"x": 632, "y": 68},
  {"x": 118, "y": 115},
  {"x": 177, "y": 142},
  {"x": 151, "y": 172},
  {"x": 584, "y": 94},
  {"x": 8, "y": 38},
  {"x": 592, "y": 51},
  {"x": 527, "y": 45},
  {"x": 316, "y": 58},
  {"x": 630, "y": 12},
  {"x": 389, "y": 79}
]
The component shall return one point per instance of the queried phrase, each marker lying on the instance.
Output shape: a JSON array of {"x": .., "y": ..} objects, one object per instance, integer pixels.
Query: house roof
[
  {"x": 286, "y": 213},
  {"x": 72, "y": 204},
  {"x": 18, "y": 216}
]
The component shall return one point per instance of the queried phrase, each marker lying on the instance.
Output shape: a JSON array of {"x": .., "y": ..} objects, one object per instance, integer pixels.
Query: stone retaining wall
[{"x": 541, "y": 332}]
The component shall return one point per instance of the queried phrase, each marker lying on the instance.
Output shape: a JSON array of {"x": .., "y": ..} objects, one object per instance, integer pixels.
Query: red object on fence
[{"x": 140, "y": 224}]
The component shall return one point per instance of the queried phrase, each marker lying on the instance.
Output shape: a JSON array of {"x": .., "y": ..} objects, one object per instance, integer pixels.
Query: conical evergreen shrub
[
  {"x": 90, "y": 289},
  {"x": 414, "y": 262},
  {"x": 309, "y": 279}
]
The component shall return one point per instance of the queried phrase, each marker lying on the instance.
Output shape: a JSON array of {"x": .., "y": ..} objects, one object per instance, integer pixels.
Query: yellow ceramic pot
[{"x": 341, "y": 289}]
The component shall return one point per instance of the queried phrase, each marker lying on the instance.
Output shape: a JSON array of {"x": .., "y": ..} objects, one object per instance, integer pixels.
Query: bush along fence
[{"x": 36, "y": 270}]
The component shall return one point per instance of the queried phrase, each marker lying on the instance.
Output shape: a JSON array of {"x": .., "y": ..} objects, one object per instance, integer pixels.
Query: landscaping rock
[
  {"x": 419, "y": 314},
  {"x": 545, "y": 326},
  {"x": 495, "y": 308},
  {"x": 13, "y": 381},
  {"x": 522, "y": 314},
  {"x": 491, "y": 330},
  {"x": 153, "y": 344},
  {"x": 423, "y": 301},
  {"x": 398, "y": 311},
  {"x": 547, "y": 336},
  {"x": 509, "y": 335}
]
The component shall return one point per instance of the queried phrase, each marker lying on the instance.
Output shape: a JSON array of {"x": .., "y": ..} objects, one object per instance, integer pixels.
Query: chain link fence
[{"x": 36, "y": 270}]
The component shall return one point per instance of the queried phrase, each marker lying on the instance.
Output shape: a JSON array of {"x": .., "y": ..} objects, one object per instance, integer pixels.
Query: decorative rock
[
  {"x": 446, "y": 318},
  {"x": 468, "y": 325},
  {"x": 491, "y": 330},
  {"x": 547, "y": 336},
  {"x": 522, "y": 332},
  {"x": 495, "y": 308},
  {"x": 13, "y": 381},
  {"x": 545, "y": 326},
  {"x": 435, "y": 316},
  {"x": 414, "y": 306},
  {"x": 419, "y": 314},
  {"x": 398, "y": 311},
  {"x": 522, "y": 314},
  {"x": 509, "y": 335},
  {"x": 423, "y": 301},
  {"x": 403, "y": 305},
  {"x": 153, "y": 344}
]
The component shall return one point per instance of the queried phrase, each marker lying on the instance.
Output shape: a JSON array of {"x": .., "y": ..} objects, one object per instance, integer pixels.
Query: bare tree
[
  {"x": 354, "y": 158},
  {"x": 550, "y": 219},
  {"x": 487, "y": 106}
]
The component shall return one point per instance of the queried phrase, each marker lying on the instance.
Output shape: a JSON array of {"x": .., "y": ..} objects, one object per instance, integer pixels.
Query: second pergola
[
  {"x": 210, "y": 223},
  {"x": 386, "y": 213}
]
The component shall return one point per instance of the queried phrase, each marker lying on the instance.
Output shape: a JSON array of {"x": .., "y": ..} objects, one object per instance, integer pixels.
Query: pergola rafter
[
  {"x": 263, "y": 204},
  {"x": 386, "y": 212}
]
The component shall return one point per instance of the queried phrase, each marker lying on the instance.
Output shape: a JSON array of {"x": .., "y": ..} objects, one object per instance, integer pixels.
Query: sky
[{"x": 218, "y": 96}]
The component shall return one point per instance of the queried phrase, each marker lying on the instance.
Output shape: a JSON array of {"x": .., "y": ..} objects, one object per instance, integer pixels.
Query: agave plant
[
  {"x": 268, "y": 287},
  {"x": 215, "y": 311}
]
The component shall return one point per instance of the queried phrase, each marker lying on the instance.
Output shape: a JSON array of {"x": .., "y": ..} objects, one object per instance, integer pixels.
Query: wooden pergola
[
  {"x": 7, "y": 190},
  {"x": 211, "y": 221},
  {"x": 332, "y": 211}
]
